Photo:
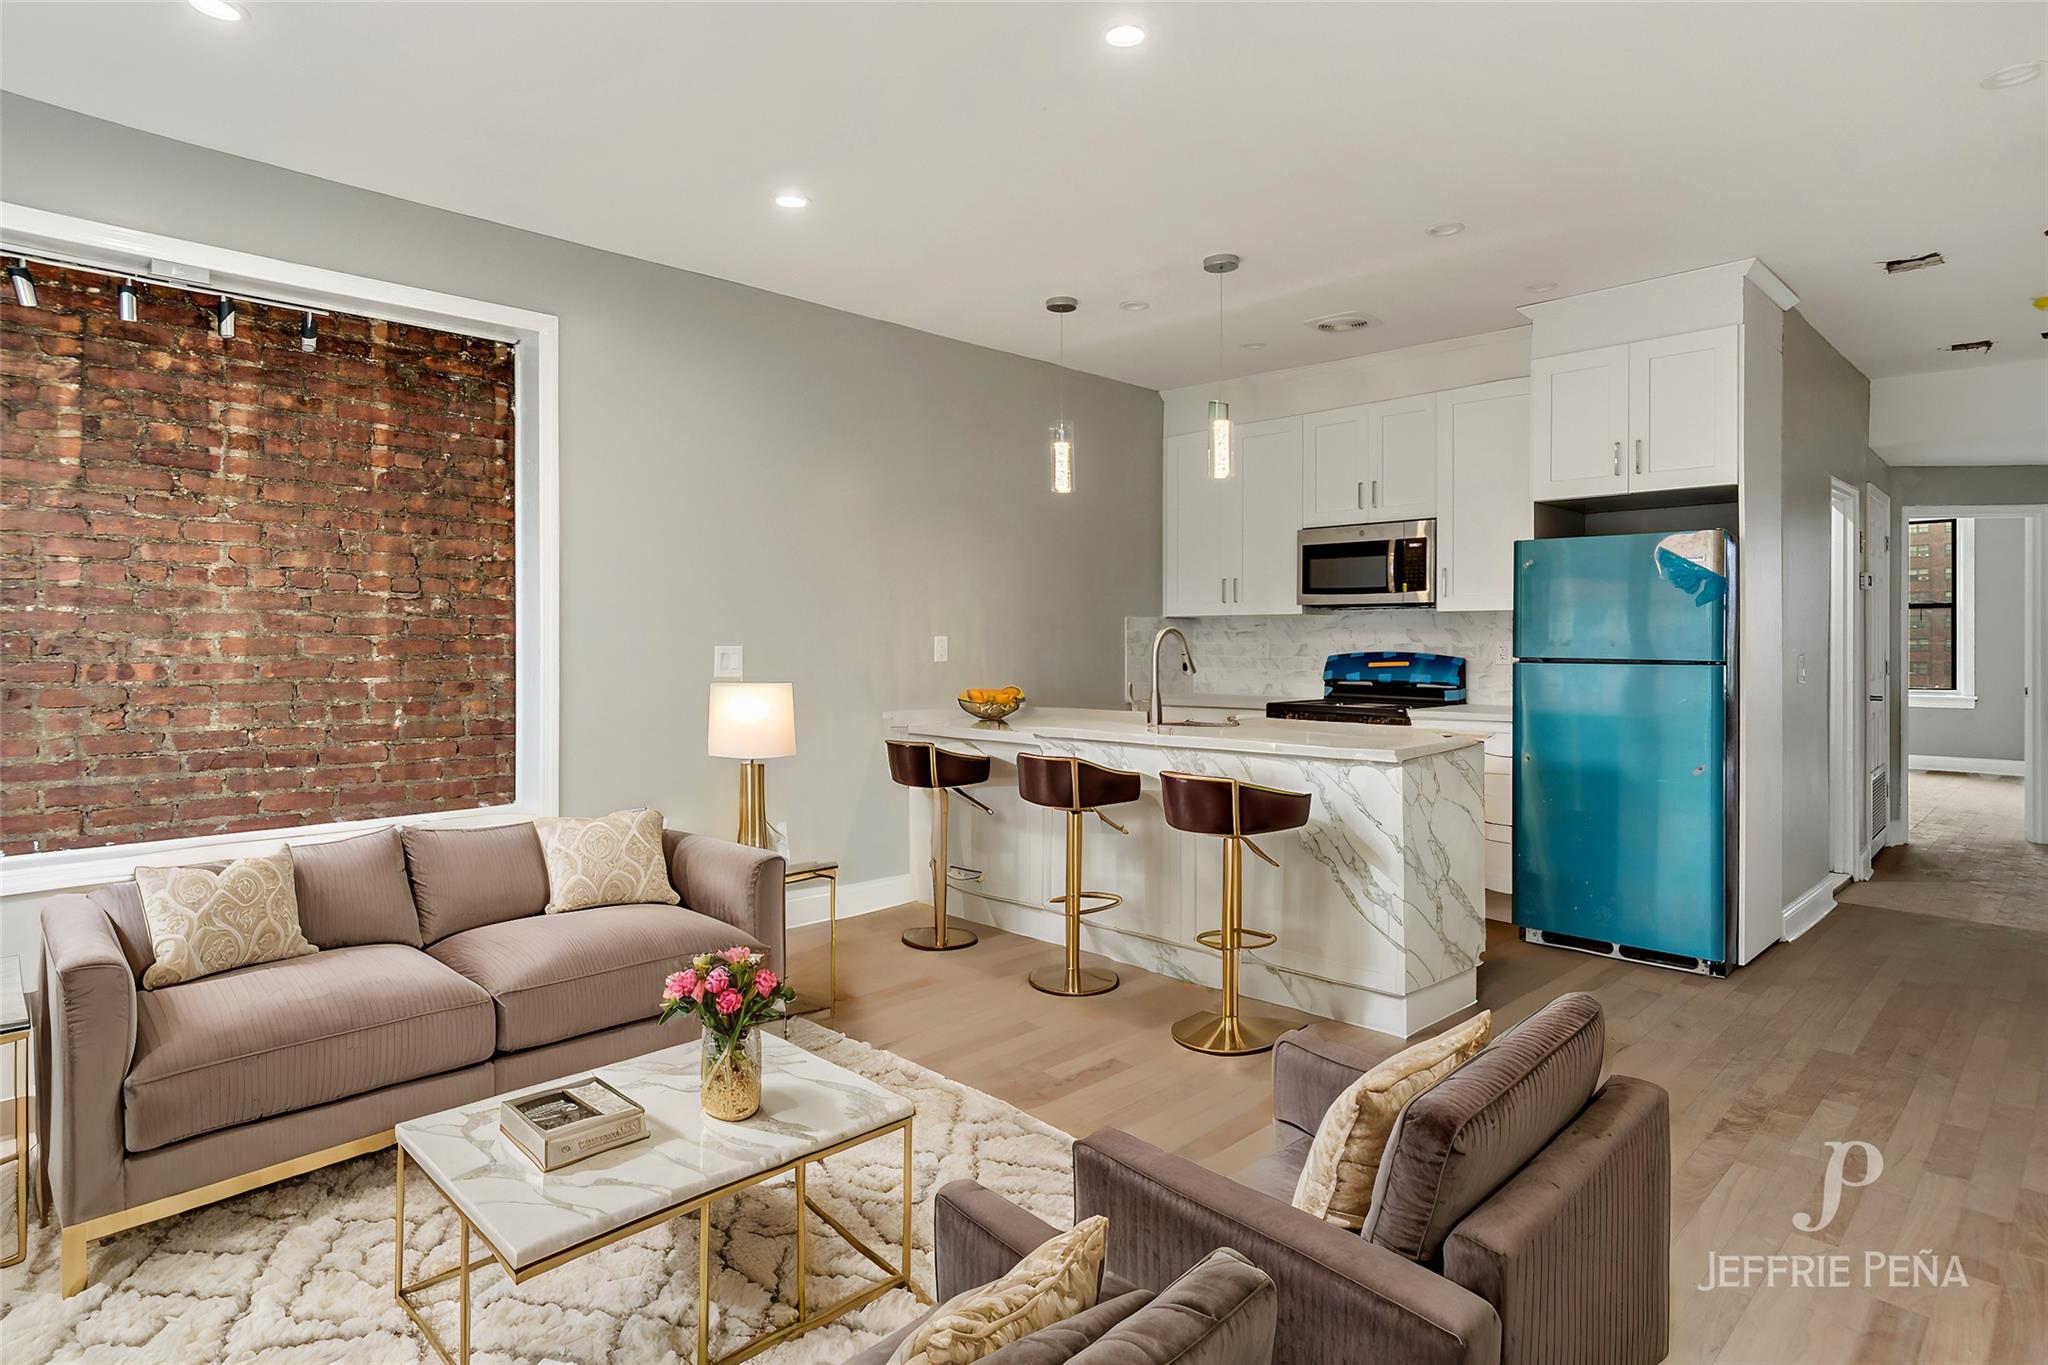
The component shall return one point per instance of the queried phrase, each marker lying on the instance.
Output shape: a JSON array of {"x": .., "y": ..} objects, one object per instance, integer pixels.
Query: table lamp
[{"x": 750, "y": 722}]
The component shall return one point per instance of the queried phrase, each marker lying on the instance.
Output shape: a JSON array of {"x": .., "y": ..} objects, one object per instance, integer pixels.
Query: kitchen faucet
[{"x": 1155, "y": 715}]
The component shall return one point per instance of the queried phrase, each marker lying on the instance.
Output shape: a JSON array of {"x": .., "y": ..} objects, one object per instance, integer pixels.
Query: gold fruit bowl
[{"x": 990, "y": 710}]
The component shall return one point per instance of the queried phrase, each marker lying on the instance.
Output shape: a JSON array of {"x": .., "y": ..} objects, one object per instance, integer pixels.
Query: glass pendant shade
[
  {"x": 1062, "y": 457},
  {"x": 1219, "y": 439}
]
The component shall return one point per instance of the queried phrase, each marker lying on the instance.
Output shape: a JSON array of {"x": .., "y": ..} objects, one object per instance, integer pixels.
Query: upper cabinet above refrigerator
[{"x": 1648, "y": 417}]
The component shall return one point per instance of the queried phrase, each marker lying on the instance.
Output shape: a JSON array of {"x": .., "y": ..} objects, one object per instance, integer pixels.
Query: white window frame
[
  {"x": 1963, "y": 696},
  {"x": 536, "y": 521}
]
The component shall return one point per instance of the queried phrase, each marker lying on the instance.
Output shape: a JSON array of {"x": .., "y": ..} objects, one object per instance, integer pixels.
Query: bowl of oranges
[{"x": 991, "y": 703}]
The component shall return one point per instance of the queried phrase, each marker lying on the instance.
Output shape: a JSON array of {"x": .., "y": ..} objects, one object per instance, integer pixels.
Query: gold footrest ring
[
  {"x": 1087, "y": 981},
  {"x": 1222, "y": 1035},
  {"x": 1248, "y": 940},
  {"x": 1110, "y": 901},
  {"x": 926, "y": 938}
]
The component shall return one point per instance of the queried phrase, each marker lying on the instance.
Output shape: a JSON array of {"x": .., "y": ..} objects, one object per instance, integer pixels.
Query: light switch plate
[
  {"x": 726, "y": 662},
  {"x": 938, "y": 649}
]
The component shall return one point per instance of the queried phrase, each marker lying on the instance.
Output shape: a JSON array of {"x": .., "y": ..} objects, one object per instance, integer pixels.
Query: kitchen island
[{"x": 1378, "y": 901}]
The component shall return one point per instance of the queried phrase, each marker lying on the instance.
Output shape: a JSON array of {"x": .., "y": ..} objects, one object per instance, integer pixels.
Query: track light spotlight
[
  {"x": 24, "y": 287},
  {"x": 128, "y": 293},
  {"x": 309, "y": 334},
  {"x": 224, "y": 318}
]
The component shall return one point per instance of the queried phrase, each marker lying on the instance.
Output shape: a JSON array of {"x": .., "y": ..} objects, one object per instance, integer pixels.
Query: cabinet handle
[
  {"x": 1639, "y": 455},
  {"x": 1375, "y": 492},
  {"x": 1223, "y": 590},
  {"x": 1361, "y": 493},
  {"x": 1235, "y": 595},
  {"x": 1443, "y": 582},
  {"x": 1617, "y": 459}
]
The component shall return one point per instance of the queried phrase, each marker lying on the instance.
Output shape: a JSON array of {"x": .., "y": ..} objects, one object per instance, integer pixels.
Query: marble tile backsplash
[{"x": 1282, "y": 656}]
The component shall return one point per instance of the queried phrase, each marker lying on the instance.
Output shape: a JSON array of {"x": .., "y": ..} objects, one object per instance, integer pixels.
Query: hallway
[{"x": 1966, "y": 860}]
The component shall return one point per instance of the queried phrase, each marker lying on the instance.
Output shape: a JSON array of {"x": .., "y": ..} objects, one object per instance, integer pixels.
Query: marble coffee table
[{"x": 530, "y": 1221}]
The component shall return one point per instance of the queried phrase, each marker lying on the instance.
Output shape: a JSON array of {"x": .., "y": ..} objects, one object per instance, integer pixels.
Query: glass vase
[{"x": 730, "y": 1069}]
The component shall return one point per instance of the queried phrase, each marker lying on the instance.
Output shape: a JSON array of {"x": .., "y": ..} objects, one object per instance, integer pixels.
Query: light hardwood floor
[{"x": 1893, "y": 1022}]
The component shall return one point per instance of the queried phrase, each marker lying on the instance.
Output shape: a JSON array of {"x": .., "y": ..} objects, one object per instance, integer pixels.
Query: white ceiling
[{"x": 966, "y": 161}]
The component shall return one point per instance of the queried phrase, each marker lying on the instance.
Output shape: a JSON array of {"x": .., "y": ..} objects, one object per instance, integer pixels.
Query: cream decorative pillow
[
  {"x": 202, "y": 922},
  {"x": 615, "y": 860},
  {"x": 1050, "y": 1285},
  {"x": 1336, "y": 1183}
]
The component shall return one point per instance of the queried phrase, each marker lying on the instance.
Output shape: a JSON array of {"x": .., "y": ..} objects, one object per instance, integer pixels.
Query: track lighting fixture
[
  {"x": 224, "y": 318},
  {"x": 309, "y": 334},
  {"x": 129, "y": 309},
  {"x": 24, "y": 286}
]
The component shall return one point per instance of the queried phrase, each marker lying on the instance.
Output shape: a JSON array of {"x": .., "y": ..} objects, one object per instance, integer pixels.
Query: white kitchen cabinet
[
  {"x": 1269, "y": 465},
  {"x": 1683, "y": 406},
  {"x": 1648, "y": 417},
  {"x": 1372, "y": 462},
  {"x": 1230, "y": 542},
  {"x": 1482, "y": 503}
]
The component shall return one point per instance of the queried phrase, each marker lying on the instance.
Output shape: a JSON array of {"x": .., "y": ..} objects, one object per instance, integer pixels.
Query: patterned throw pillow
[
  {"x": 202, "y": 922},
  {"x": 615, "y": 860},
  {"x": 1053, "y": 1283},
  {"x": 1336, "y": 1183}
]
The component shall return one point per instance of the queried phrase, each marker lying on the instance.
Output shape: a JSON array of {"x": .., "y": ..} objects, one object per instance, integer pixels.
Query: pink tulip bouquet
[{"x": 731, "y": 994}]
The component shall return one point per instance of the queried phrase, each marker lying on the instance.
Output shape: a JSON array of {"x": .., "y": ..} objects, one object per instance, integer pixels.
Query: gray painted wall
[
  {"x": 1827, "y": 436},
  {"x": 737, "y": 468},
  {"x": 1995, "y": 726}
]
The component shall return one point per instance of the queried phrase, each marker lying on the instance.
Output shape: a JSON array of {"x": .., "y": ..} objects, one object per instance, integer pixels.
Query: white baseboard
[
  {"x": 1812, "y": 905},
  {"x": 808, "y": 901},
  {"x": 1985, "y": 767}
]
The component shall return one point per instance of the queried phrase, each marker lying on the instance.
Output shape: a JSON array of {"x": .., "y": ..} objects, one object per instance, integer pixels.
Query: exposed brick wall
[{"x": 242, "y": 586}]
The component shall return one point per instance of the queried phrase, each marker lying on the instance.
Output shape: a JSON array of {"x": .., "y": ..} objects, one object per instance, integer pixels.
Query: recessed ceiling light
[
  {"x": 790, "y": 199},
  {"x": 1251, "y": 345},
  {"x": 1339, "y": 322},
  {"x": 1445, "y": 229},
  {"x": 1134, "y": 305},
  {"x": 1124, "y": 35},
  {"x": 1540, "y": 287},
  {"x": 218, "y": 9},
  {"x": 2019, "y": 73}
]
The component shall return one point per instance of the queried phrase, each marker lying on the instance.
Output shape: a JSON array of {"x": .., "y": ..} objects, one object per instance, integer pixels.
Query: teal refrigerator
[{"x": 1625, "y": 764}]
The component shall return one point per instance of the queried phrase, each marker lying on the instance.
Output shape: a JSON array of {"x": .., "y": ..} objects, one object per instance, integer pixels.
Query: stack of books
[{"x": 566, "y": 1123}]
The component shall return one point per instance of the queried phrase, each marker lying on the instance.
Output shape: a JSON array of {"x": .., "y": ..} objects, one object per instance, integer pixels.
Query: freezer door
[
  {"x": 1623, "y": 597},
  {"x": 1619, "y": 801}
]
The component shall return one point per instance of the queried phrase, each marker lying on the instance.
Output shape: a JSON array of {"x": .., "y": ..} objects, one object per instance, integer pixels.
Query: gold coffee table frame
[
  {"x": 899, "y": 1274},
  {"x": 18, "y": 1044}
]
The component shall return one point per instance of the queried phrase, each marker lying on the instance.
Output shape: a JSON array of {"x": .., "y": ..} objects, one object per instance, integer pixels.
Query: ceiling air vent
[
  {"x": 1340, "y": 322},
  {"x": 1902, "y": 265},
  {"x": 1969, "y": 346}
]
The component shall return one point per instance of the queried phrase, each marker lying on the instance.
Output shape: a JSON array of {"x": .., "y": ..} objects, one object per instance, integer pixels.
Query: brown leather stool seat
[
  {"x": 1079, "y": 788},
  {"x": 1232, "y": 811},
  {"x": 920, "y": 763}
]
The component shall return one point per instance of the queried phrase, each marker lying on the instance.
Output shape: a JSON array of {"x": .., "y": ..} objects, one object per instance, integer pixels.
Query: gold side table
[
  {"x": 819, "y": 872},
  {"x": 15, "y": 1031}
]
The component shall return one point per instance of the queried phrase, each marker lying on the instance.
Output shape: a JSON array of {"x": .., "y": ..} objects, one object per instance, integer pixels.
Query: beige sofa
[{"x": 439, "y": 981}]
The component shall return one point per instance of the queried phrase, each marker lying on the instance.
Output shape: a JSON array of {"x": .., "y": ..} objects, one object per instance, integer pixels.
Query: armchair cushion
[
  {"x": 1461, "y": 1140},
  {"x": 614, "y": 859},
  {"x": 465, "y": 878},
  {"x": 354, "y": 891},
  {"x": 1223, "y": 1311},
  {"x": 1053, "y": 1282},
  {"x": 552, "y": 977}
]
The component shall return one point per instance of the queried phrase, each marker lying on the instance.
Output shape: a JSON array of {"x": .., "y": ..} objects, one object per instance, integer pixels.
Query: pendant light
[
  {"x": 1219, "y": 411},
  {"x": 1062, "y": 431}
]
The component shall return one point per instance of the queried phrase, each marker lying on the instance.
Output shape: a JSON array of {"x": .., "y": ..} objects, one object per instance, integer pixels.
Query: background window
[{"x": 1931, "y": 596}]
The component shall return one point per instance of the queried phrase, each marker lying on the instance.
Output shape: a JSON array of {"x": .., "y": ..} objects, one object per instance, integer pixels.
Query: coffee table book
[{"x": 568, "y": 1122}]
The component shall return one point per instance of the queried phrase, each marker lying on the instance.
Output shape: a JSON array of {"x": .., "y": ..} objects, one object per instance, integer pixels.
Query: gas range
[{"x": 1378, "y": 687}]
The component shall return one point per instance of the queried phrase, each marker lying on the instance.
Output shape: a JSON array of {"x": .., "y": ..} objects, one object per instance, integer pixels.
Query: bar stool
[
  {"x": 920, "y": 763},
  {"x": 1232, "y": 811},
  {"x": 1079, "y": 788}
]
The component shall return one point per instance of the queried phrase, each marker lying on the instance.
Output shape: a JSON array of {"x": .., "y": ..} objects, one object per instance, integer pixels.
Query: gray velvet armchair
[{"x": 1522, "y": 1214}]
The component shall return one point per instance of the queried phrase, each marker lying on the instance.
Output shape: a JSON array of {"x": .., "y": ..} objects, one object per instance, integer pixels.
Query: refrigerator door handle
[{"x": 1617, "y": 459}]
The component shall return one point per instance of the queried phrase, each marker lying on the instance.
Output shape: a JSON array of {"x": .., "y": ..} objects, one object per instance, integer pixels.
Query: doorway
[{"x": 1846, "y": 777}]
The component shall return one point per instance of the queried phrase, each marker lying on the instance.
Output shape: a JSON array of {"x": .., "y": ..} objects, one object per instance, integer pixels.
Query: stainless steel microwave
[{"x": 1384, "y": 564}]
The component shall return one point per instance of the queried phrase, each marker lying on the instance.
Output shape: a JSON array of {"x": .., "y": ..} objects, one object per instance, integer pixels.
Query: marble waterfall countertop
[{"x": 1332, "y": 741}]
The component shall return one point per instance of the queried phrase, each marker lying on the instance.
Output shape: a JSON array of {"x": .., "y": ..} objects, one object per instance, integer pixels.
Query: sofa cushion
[
  {"x": 615, "y": 859},
  {"x": 355, "y": 891},
  {"x": 1461, "y": 1140},
  {"x": 1223, "y": 1310},
  {"x": 269, "y": 1039},
  {"x": 1066, "y": 1339},
  {"x": 464, "y": 878},
  {"x": 123, "y": 903},
  {"x": 559, "y": 976},
  {"x": 202, "y": 922}
]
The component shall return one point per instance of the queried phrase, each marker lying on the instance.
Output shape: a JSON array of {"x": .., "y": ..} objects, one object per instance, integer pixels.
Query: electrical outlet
[
  {"x": 1502, "y": 652},
  {"x": 1802, "y": 670},
  {"x": 726, "y": 662},
  {"x": 938, "y": 649}
]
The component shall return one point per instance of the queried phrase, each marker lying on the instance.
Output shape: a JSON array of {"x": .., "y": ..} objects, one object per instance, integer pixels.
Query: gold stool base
[
  {"x": 1229, "y": 1036},
  {"x": 926, "y": 938},
  {"x": 1087, "y": 981}
]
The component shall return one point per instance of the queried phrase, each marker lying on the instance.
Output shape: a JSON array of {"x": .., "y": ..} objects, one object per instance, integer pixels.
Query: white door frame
[
  {"x": 2034, "y": 749},
  {"x": 1880, "y": 668},
  {"x": 1848, "y": 779}
]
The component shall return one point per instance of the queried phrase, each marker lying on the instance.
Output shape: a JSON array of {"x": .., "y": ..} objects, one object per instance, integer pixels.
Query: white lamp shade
[{"x": 753, "y": 720}]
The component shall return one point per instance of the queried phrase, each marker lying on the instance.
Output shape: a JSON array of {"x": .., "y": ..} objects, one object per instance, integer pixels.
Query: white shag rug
[{"x": 300, "y": 1272}]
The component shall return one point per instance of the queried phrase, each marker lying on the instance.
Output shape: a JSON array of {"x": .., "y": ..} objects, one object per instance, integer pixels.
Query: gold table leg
[
  {"x": 19, "y": 1045},
  {"x": 403, "y": 1292}
]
